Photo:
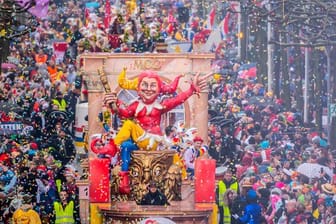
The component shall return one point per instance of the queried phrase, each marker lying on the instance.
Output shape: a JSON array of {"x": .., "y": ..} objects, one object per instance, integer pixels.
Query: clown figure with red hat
[
  {"x": 142, "y": 117},
  {"x": 193, "y": 151}
]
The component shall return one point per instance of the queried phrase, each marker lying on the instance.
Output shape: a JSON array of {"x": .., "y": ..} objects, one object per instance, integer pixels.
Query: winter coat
[
  {"x": 156, "y": 198},
  {"x": 252, "y": 214}
]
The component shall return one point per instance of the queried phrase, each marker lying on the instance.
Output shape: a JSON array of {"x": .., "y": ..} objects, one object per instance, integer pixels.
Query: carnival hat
[
  {"x": 327, "y": 188},
  {"x": 197, "y": 139},
  {"x": 247, "y": 183}
]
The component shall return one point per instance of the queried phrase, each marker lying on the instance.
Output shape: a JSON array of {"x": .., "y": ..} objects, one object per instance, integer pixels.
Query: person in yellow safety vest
[
  {"x": 64, "y": 210},
  {"x": 59, "y": 103},
  {"x": 228, "y": 201},
  {"x": 228, "y": 182}
]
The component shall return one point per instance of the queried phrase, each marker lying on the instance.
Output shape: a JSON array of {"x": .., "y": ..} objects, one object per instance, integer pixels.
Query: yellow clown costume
[{"x": 21, "y": 216}]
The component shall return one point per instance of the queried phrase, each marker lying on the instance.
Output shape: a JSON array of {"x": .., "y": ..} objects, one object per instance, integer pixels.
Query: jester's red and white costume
[
  {"x": 142, "y": 119},
  {"x": 144, "y": 114}
]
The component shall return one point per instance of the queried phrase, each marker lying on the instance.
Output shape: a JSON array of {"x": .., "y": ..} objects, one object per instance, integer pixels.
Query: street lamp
[{"x": 242, "y": 31}]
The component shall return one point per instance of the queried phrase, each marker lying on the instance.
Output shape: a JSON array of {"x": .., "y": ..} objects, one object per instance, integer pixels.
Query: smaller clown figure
[{"x": 192, "y": 152}]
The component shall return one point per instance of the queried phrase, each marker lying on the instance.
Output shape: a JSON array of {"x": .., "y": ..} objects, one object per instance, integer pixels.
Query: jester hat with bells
[{"x": 132, "y": 84}]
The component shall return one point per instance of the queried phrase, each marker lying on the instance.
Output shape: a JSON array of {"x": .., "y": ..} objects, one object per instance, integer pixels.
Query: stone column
[
  {"x": 95, "y": 105},
  {"x": 200, "y": 115},
  {"x": 95, "y": 90}
]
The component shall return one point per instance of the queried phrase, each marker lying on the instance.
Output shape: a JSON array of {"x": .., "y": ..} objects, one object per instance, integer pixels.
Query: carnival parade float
[{"x": 132, "y": 98}]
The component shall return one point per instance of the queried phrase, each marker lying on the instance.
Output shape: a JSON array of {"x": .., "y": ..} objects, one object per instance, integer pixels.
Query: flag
[
  {"x": 225, "y": 28},
  {"x": 214, "y": 39},
  {"x": 235, "y": 6},
  {"x": 87, "y": 16},
  {"x": 40, "y": 10},
  {"x": 179, "y": 46},
  {"x": 211, "y": 18},
  {"x": 107, "y": 16},
  {"x": 229, "y": 17},
  {"x": 79, "y": 134}
]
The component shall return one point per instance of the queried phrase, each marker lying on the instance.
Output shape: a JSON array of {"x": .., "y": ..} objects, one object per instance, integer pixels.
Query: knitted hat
[
  {"x": 251, "y": 195},
  {"x": 42, "y": 168},
  {"x": 33, "y": 145}
]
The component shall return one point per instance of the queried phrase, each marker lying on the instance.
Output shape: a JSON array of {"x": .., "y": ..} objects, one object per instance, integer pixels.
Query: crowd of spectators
[{"x": 282, "y": 166}]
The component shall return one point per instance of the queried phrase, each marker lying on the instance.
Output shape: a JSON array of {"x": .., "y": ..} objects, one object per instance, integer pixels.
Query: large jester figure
[{"x": 142, "y": 117}]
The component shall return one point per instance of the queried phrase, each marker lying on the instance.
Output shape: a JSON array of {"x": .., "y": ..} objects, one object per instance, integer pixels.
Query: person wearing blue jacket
[
  {"x": 252, "y": 211},
  {"x": 8, "y": 180}
]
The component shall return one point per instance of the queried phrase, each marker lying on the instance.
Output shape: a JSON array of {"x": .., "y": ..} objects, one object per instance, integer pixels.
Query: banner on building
[{"x": 10, "y": 128}]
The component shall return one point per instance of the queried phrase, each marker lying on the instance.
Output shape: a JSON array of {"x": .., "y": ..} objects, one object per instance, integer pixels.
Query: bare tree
[
  {"x": 15, "y": 21},
  {"x": 300, "y": 24}
]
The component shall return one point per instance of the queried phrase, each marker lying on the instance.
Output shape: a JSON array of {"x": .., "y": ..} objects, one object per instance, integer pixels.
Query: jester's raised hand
[{"x": 200, "y": 83}]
